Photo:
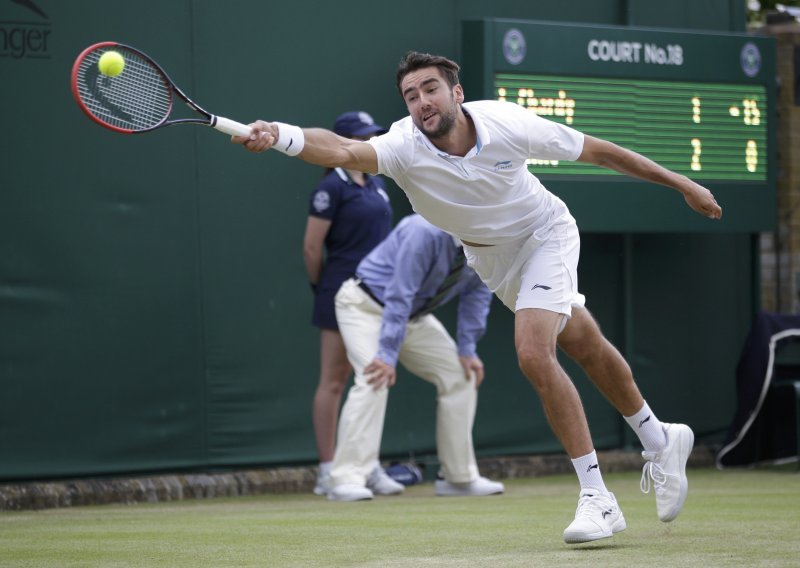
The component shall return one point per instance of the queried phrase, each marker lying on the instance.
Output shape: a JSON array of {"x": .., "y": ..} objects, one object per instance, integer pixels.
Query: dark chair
[
  {"x": 766, "y": 425},
  {"x": 785, "y": 387}
]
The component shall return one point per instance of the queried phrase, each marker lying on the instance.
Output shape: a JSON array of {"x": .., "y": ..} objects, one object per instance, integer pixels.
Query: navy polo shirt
[{"x": 361, "y": 217}]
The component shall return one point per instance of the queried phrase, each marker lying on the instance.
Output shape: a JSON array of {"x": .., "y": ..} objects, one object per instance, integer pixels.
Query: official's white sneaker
[
  {"x": 349, "y": 492},
  {"x": 477, "y": 488},
  {"x": 667, "y": 469},
  {"x": 323, "y": 485},
  {"x": 382, "y": 484},
  {"x": 597, "y": 516}
]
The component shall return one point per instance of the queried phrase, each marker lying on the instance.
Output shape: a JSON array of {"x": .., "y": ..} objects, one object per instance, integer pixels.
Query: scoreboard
[
  {"x": 708, "y": 131},
  {"x": 700, "y": 104}
]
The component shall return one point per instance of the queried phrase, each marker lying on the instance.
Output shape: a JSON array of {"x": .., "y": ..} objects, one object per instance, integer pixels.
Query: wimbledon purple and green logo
[
  {"x": 514, "y": 46},
  {"x": 750, "y": 59}
]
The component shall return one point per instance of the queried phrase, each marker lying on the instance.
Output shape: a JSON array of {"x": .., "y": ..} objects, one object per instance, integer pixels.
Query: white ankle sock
[
  {"x": 325, "y": 467},
  {"x": 588, "y": 470},
  {"x": 648, "y": 428}
]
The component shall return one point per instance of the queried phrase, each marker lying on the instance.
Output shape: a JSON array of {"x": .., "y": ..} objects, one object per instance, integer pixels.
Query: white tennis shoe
[
  {"x": 667, "y": 470},
  {"x": 597, "y": 516},
  {"x": 349, "y": 492},
  {"x": 381, "y": 484},
  {"x": 323, "y": 485},
  {"x": 477, "y": 488}
]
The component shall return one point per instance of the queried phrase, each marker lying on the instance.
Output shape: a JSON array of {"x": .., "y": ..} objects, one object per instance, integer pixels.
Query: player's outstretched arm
[
  {"x": 609, "y": 155},
  {"x": 313, "y": 145}
]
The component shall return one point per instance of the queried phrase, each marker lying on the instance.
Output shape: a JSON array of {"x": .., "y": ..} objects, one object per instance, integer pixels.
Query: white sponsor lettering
[
  {"x": 634, "y": 52},
  {"x": 617, "y": 51}
]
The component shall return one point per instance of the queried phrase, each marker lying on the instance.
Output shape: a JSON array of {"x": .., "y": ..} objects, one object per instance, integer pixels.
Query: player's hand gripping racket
[{"x": 139, "y": 99}]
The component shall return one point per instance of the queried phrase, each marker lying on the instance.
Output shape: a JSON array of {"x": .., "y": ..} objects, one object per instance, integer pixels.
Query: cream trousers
[{"x": 429, "y": 352}]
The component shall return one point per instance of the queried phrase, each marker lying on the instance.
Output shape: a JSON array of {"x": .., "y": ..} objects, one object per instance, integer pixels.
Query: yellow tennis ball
[{"x": 111, "y": 63}]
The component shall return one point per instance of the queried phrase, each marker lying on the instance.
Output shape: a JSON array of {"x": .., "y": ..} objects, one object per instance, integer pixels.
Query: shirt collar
[
  {"x": 480, "y": 128},
  {"x": 345, "y": 177},
  {"x": 482, "y": 135}
]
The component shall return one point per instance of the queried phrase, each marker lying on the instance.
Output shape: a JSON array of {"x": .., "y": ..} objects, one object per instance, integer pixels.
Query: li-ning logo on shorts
[
  {"x": 542, "y": 286},
  {"x": 505, "y": 165}
]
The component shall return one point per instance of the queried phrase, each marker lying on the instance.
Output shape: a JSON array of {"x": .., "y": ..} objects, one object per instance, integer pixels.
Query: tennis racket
[{"x": 137, "y": 100}]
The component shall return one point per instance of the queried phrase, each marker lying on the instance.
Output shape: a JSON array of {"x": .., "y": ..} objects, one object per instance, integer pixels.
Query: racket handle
[{"x": 229, "y": 126}]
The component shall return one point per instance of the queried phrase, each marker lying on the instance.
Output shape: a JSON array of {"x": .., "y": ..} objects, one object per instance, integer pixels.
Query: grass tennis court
[{"x": 739, "y": 518}]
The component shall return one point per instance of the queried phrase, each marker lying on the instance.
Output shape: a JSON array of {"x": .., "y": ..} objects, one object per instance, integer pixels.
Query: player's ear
[{"x": 458, "y": 93}]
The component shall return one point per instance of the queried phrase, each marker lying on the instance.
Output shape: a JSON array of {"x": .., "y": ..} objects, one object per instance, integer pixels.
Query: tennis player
[{"x": 463, "y": 168}]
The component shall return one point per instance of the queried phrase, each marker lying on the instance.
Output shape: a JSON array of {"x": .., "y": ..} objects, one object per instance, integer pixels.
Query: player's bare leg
[
  {"x": 598, "y": 515},
  {"x": 535, "y": 336},
  {"x": 667, "y": 446},
  {"x": 583, "y": 341}
]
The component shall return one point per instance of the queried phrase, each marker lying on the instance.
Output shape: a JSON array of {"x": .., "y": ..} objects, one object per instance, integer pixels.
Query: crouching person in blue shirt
[{"x": 384, "y": 316}]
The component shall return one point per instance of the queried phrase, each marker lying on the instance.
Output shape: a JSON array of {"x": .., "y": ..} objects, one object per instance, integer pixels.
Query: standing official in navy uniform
[{"x": 349, "y": 214}]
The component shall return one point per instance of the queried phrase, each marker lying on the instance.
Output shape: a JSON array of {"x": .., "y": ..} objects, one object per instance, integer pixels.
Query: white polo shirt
[{"x": 487, "y": 196}]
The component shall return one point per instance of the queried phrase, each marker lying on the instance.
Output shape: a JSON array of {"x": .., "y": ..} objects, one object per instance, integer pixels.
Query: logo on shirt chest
[{"x": 504, "y": 165}]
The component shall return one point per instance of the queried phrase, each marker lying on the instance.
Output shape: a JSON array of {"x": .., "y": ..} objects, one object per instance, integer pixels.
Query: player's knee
[{"x": 536, "y": 362}]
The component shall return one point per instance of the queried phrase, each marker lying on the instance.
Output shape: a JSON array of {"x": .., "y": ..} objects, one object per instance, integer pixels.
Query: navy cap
[{"x": 356, "y": 123}]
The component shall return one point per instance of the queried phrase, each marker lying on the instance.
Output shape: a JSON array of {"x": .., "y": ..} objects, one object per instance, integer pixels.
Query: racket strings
[{"x": 137, "y": 99}]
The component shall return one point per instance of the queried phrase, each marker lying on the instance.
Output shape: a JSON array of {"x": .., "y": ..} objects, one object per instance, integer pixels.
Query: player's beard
[{"x": 446, "y": 122}]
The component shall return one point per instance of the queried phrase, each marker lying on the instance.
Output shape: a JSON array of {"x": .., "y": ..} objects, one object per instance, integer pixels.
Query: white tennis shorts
[{"x": 538, "y": 271}]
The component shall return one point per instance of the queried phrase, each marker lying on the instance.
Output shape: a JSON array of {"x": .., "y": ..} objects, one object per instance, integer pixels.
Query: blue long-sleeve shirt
[{"x": 406, "y": 270}]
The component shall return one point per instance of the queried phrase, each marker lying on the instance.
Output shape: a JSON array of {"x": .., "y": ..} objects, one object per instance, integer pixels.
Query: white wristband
[{"x": 290, "y": 139}]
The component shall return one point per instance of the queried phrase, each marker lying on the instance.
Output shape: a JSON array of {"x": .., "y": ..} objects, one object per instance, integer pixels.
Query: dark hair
[{"x": 415, "y": 60}]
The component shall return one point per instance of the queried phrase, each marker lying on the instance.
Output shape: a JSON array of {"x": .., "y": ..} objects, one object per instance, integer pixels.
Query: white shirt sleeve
[
  {"x": 548, "y": 140},
  {"x": 394, "y": 151}
]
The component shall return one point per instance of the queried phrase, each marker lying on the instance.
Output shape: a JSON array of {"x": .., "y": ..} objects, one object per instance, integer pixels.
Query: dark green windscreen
[{"x": 154, "y": 310}]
